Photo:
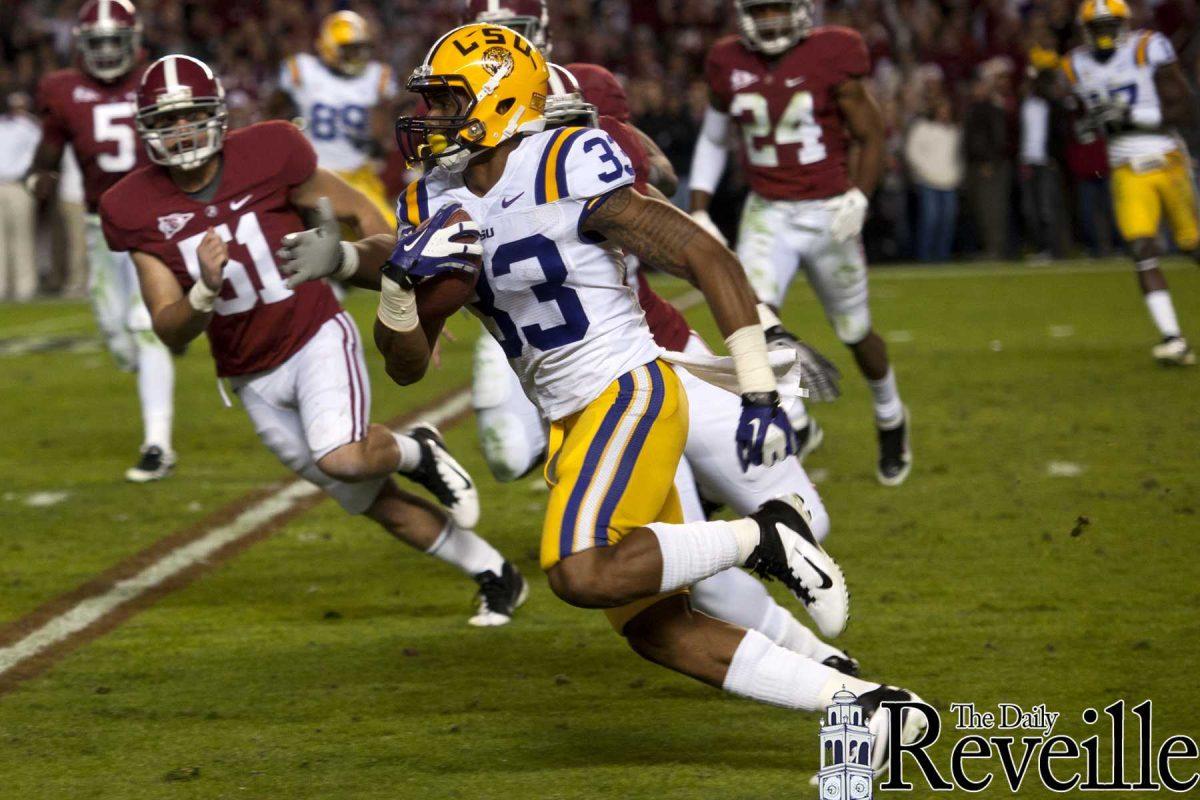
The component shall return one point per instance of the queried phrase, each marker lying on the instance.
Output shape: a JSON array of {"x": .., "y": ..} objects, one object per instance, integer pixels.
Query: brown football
[{"x": 440, "y": 296}]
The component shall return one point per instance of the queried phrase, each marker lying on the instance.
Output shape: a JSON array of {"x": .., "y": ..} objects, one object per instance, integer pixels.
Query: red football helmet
[
  {"x": 601, "y": 88},
  {"x": 773, "y": 26},
  {"x": 108, "y": 35},
  {"x": 181, "y": 112},
  {"x": 530, "y": 18},
  {"x": 565, "y": 105}
]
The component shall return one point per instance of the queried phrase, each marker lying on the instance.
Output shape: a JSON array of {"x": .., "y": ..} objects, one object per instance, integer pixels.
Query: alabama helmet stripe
[{"x": 171, "y": 73}]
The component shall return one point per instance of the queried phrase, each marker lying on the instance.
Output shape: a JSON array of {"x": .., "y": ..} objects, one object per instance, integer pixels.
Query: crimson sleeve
[
  {"x": 716, "y": 76},
  {"x": 117, "y": 238},
  {"x": 54, "y": 129},
  {"x": 299, "y": 160},
  {"x": 853, "y": 58}
]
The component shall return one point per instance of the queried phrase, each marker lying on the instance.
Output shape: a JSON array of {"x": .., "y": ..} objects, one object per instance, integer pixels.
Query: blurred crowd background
[{"x": 983, "y": 162}]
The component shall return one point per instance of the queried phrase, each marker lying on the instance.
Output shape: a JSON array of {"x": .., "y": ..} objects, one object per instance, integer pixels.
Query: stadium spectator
[
  {"x": 19, "y": 136},
  {"x": 933, "y": 153},
  {"x": 988, "y": 148},
  {"x": 1042, "y": 200}
]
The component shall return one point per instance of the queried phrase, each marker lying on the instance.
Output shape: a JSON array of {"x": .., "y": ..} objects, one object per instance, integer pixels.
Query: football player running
[
  {"x": 90, "y": 107},
  {"x": 554, "y": 210},
  {"x": 202, "y": 224},
  {"x": 812, "y": 144},
  {"x": 514, "y": 434},
  {"x": 1134, "y": 94},
  {"x": 345, "y": 99}
]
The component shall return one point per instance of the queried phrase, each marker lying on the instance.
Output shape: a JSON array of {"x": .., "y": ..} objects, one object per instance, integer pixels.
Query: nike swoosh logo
[
  {"x": 508, "y": 201},
  {"x": 234, "y": 205},
  {"x": 790, "y": 82},
  {"x": 826, "y": 581}
]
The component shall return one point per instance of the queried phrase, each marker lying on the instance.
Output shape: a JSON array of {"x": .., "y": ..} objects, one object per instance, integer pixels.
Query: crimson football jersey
[
  {"x": 793, "y": 137},
  {"x": 96, "y": 119},
  {"x": 258, "y": 322},
  {"x": 668, "y": 327}
]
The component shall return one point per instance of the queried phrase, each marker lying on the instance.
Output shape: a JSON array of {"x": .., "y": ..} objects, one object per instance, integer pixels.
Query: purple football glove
[
  {"x": 764, "y": 433},
  {"x": 430, "y": 248}
]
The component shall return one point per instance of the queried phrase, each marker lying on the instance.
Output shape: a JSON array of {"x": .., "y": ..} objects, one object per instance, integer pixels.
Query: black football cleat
[
  {"x": 810, "y": 438},
  {"x": 788, "y": 552},
  {"x": 444, "y": 477},
  {"x": 843, "y": 663},
  {"x": 153, "y": 464},
  {"x": 499, "y": 596},
  {"x": 895, "y": 456}
]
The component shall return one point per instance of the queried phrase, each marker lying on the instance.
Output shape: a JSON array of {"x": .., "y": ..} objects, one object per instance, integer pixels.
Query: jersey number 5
[
  {"x": 107, "y": 128},
  {"x": 542, "y": 250},
  {"x": 795, "y": 126},
  {"x": 249, "y": 234}
]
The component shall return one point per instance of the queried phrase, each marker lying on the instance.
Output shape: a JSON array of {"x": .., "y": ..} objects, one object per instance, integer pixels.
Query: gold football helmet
[
  {"x": 344, "y": 42},
  {"x": 1104, "y": 23},
  {"x": 481, "y": 85}
]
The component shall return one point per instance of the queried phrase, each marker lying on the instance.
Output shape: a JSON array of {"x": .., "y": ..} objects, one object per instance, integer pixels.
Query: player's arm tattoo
[
  {"x": 864, "y": 121},
  {"x": 665, "y": 238}
]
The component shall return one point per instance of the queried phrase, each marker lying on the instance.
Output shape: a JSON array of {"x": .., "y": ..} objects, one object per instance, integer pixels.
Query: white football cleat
[
  {"x": 1174, "y": 351},
  {"x": 787, "y": 551},
  {"x": 444, "y": 477},
  {"x": 879, "y": 718}
]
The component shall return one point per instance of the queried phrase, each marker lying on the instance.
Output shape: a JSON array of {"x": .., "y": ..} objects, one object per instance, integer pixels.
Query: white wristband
[
  {"x": 397, "y": 306},
  {"x": 1149, "y": 117},
  {"x": 349, "y": 262},
  {"x": 748, "y": 347},
  {"x": 202, "y": 298}
]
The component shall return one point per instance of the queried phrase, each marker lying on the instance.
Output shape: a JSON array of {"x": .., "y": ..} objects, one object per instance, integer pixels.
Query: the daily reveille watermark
[{"x": 1012, "y": 745}]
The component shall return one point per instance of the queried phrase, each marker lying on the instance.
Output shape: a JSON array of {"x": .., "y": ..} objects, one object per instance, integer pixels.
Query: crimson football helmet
[
  {"x": 181, "y": 112},
  {"x": 530, "y": 18},
  {"x": 774, "y": 33},
  {"x": 565, "y": 105},
  {"x": 108, "y": 35},
  {"x": 601, "y": 88}
]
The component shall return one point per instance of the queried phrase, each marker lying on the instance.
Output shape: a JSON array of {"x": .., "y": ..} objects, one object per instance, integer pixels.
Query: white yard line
[{"x": 89, "y": 612}]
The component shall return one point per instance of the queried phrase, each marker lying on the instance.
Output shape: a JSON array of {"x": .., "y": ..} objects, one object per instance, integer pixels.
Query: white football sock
[
  {"x": 797, "y": 414},
  {"x": 410, "y": 452},
  {"x": 1162, "y": 311},
  {"x": 734, "y": 596},
  {"x": 762, "y": 670},
  {"x": 693, "y": 551},
  {"x": 156, "y": 390},
  {"x": 786, "y": 631},
  {"x": 888, "y": 409},
  {"x": 466, "y": 550}
]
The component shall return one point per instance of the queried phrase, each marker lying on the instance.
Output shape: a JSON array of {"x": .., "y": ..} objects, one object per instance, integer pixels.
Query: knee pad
[
  {"x": 853, "y": 327},
  {"x": 506, "y": 444}
]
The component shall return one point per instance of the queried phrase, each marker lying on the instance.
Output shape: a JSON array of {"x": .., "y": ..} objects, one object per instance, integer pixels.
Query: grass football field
[{"x": 1041, "y": 552}]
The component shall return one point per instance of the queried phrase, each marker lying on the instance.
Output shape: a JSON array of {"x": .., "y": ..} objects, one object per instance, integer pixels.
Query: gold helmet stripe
[{"x": 294, "y": 69}]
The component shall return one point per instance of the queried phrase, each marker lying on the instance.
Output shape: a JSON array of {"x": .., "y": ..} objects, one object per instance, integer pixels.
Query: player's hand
[
  {"x": 764, "y": 433},
  {"x": 433, "y": 247},
  {"x": 214, "y": 255},
  {"x": 702, "y": 219},
  {"x": 315, "y": 253},
  {"x": 41, "y": 184},
  {"x": 849, "y": 213},
  {"x": 818, "y": 374}
]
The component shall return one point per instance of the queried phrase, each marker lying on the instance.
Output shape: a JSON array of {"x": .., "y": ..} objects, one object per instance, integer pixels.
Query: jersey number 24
[{"x": 795, "y": 126}]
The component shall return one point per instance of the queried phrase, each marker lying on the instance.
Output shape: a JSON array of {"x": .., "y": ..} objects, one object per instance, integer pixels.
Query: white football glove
[
  {"x": 702, "y": 219},
  {"x": 849, "y": 213},
  {"x": 317, "y": 252}
]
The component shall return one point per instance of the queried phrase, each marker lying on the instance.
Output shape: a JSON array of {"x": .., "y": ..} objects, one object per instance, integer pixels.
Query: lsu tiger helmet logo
[
  {"x": 1104, "y": 23},
  {"x": 481, "y": 85}
]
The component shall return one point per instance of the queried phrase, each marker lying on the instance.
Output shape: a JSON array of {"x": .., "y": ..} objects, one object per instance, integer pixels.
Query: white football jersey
[
  {"x": 336, "y": 108},
  {"x": 555, "y": 299},
  {"x": 1126, "y": 77}
]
